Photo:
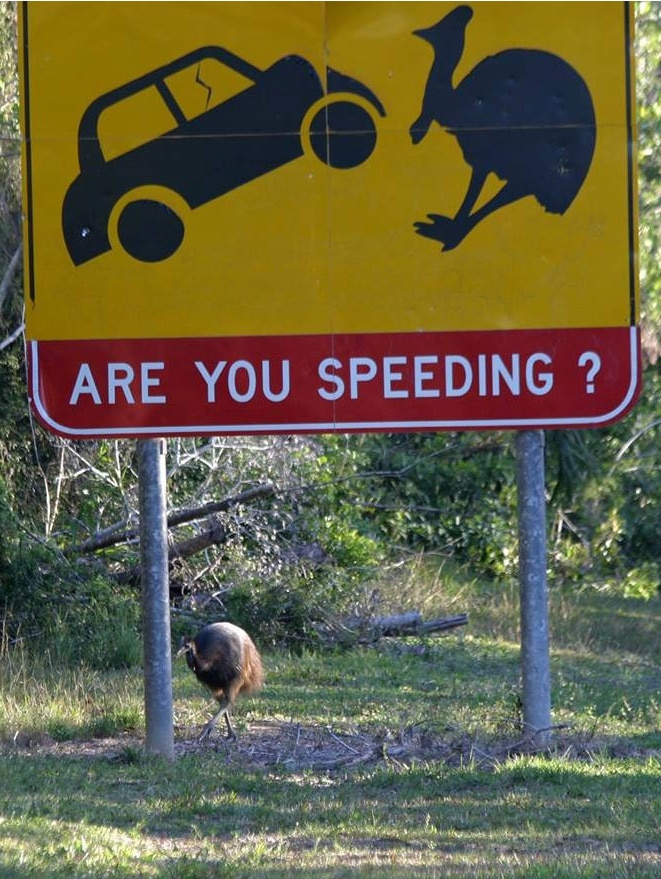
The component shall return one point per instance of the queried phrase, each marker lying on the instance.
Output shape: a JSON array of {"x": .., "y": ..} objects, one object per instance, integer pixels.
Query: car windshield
[{"x": 135, "y": 120}]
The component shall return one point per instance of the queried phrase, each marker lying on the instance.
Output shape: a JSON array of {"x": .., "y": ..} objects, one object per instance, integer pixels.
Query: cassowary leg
[
  {"x": 472, "y": 194},
  {"x": 231, "y": 734},
  {"x": 223, "y": 710}
]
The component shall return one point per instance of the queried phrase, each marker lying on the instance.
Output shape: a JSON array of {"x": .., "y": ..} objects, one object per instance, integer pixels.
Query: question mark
[{"x": 594, "y": 361}]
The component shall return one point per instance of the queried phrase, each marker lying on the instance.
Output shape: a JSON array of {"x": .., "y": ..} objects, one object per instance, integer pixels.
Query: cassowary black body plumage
[
  {"x": 524, "y": 115},
  {"x": 224, "y": 658}
]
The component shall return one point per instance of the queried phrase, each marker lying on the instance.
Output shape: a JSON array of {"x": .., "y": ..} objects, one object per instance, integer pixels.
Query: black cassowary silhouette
[
  {"x": 225, "y": 659},
  {"x": 522, "y": 114}
]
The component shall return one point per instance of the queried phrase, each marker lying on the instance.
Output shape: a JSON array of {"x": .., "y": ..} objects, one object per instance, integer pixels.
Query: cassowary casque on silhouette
[
  {"x": 225, "y": 659},
  {"x": 524, "y": 115}
]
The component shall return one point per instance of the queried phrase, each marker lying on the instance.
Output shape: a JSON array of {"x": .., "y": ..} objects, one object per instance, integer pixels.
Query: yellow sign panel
[
  {"x": 280, "y": 169},
  {"x": 305, "y": 246}
]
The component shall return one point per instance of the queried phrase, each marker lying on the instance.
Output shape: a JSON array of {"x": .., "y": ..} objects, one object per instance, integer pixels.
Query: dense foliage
[{"x": 344, "y": 508}]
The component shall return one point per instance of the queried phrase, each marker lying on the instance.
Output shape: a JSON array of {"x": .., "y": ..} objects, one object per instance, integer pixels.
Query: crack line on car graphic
[{"x": 200, "y": 81}]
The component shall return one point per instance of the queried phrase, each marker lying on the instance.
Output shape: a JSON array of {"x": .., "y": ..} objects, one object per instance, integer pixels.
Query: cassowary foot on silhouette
[{"x": 449, "y": 232}]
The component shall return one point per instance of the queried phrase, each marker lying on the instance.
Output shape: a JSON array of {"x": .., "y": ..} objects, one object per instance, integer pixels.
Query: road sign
[{"x": 344, "y": 216}]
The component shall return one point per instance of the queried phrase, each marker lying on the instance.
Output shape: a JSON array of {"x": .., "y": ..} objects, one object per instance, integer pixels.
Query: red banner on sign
[{"x": 302, "y": 384}]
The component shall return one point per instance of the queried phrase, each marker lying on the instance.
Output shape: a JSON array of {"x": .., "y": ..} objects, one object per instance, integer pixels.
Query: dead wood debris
[{"x": 360, "y": 630}]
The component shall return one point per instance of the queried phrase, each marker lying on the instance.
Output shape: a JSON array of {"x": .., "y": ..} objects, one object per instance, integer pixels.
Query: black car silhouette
[{"x": 208, "y": 152}]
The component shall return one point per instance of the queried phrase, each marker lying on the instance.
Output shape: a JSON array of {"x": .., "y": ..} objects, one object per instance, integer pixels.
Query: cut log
[
  {"x": 368, "y": 630},
  {"x": 412, "y": 624}
]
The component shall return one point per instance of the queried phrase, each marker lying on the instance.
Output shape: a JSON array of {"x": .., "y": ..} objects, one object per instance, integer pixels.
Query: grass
[
  {"x": 38, "y": 699},
  {"x": 589, "y": 808},
  {"x": 529, "y": 817}
]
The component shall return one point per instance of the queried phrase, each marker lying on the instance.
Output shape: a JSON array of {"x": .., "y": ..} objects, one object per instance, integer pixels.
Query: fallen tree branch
[
  {"x": 412, "y": 624},
  {"x": 442, "y": 625},
  {"x": 212, "y": 535},
  {"x": 192, "y": 513},
  {"x": 115, "y": 535},
  {"x": 12, "y": 337}
]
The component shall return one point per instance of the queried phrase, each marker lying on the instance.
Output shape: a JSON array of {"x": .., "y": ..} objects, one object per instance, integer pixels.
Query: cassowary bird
[
  {"x": 225, "y": 659},
  {"x": 524, "y": 115}
]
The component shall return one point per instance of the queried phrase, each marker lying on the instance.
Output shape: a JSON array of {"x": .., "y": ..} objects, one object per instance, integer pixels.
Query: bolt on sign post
[{"x": 278, "y": 218}]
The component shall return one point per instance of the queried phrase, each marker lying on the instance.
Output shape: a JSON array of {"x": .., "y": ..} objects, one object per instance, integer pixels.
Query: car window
[
  {"x": 133, "y": 121},
  {"x": 205, "y": 85}
]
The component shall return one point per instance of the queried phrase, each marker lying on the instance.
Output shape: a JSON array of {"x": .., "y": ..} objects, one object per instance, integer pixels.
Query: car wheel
[
  {"x": 342, "y": 134},
  {"x": 149, "y": 230}
]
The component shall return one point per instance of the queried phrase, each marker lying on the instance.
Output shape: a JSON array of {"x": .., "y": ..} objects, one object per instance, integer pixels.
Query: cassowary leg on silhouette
[
  {"x": 509, "y": 193},
  {"x": 472, "y": 194},
  {"x": 451, "y": 231},
  {"x": 223, "y": 710}
]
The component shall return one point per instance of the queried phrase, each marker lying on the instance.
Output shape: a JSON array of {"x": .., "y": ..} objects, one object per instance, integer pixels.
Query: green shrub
[
  {"x": 97, "y": 626},
  {"x": 50, "y": 608},
  {"x": 274, "y": 613},
  {"x": 642, "y": 582}
]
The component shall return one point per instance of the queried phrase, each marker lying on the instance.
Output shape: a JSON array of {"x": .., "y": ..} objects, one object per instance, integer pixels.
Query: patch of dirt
[{"x": 292, "y": 746}]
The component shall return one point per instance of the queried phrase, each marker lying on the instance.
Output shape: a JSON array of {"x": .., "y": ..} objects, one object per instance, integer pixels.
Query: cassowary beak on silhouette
[
  {"x": 459, "y": 17},
  {"x": 422, "y": 32},
  {"x": 425, "y": 33}
]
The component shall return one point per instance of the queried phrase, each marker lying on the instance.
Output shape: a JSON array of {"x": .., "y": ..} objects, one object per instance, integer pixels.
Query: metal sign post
[
  {"x": 535, "y": 657},
  {"x": 155, "y": 598}
]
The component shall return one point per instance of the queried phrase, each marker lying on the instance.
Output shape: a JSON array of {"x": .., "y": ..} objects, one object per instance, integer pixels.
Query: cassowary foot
[
  {"x": 206, "y": 732},
  {"x": 208, "y": 729},
  {"x": 443, "y": 229}
]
